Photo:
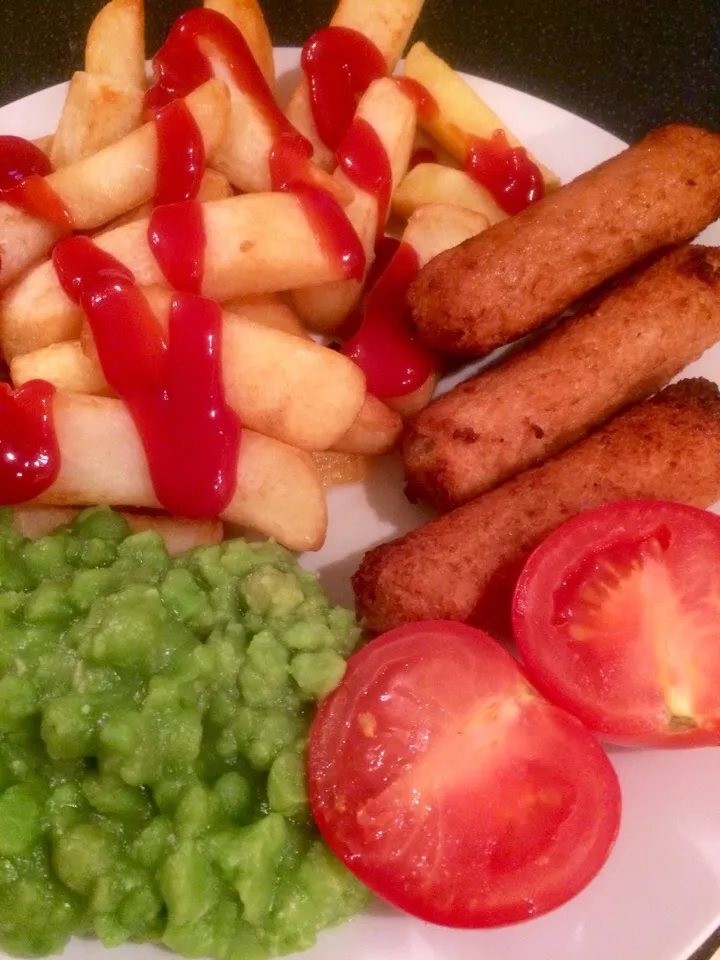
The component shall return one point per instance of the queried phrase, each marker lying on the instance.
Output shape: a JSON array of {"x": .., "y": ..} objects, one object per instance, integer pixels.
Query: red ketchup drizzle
[
  {"x": 29, "y": 454},
  {"x": 23, "y": 167},
  {"x": 365, "y": 162},
  {"x": 339, "y": 64},
  {"x": 172, "y": 385},
  {"x": 422, "y": 155},
  {"x": 181, "y": 154},
  {"x": 184, "y": 62},
  {"x": 506, "y": 172},
  {"x": 425, "y": 102},
  {"x": 337, "y": 234},
  {"x": 394, "y": 364},
  {"x": 176, "y": 235}
]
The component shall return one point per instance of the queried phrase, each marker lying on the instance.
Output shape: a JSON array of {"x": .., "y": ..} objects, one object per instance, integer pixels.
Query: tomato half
[
  {"x": 451, "y": 788},
  {"x": 617, "y": 618}
]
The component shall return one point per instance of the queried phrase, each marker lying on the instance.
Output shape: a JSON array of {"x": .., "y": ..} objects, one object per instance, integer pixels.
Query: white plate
[{"x": 658, "y": 898}]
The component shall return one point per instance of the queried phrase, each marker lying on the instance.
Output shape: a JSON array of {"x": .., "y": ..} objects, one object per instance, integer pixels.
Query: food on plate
[
  {"x": 475, "y": 135},
  {"x": 278, "y": 384},
  {"x": 373, "y": 157},
  {"x": 105, "y": 101},
  {"x": 260, "y": 150},
  {"x": 463, "y": 565},
  {"x": 617, "y": 350},
  {"x": 376, "y": 430},
  {"x": 435, "y": 183},
  {"x": 276, "y": 489},
  {"x": 397, "y": 368},
  {"x": 363, "y": 42},
  {"x": 115, "y": 45},
  {"x": 248, "y": 18},
  {"x": 270, "y": 310},
  {"x": 527, "y": 269},
  {"x": 178, "y": 533},
  {"x": 614, "y": 616},
  {"x": 213, "y": 186},
  {"x": 154, "y": 716},
  {"x": 244, "y": 253},
  {"x": 100, "y": 187},
  {"x": 451, "y": 788}
]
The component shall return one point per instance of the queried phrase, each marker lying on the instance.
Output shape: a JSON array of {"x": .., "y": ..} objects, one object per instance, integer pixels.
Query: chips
[{"x": 308, "y": 421}]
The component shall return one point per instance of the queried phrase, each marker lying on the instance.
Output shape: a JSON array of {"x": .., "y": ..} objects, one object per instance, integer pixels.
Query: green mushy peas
[{"x": 153, "y": 723}]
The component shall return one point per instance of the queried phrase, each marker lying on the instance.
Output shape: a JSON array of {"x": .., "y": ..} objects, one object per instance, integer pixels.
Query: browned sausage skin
[
  {"x": 523, "y": 271},
  {"x": 613, "y": 353},
  {"x": 463, "y": 565}
]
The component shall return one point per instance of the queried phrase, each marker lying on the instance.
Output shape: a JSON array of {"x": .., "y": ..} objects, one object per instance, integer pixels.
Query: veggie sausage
[
  {"x": 610, "y": 355},
  {"x": 464, "y": 565},
  {"x": 496, "y": 287}
]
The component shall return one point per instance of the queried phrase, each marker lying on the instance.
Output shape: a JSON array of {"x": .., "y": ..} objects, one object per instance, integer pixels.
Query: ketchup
[
  {"x": 339, "y": 64},
  {"x": 425, "y": 102},
  {"x": 422, "y": 155},
  {"x": 394, "y": 364},
  {"x": 176, "y": 236},
  {"x": 29, "y": 455},
  {"x": 333, "y": 229},
  {"x": 181, "y": 154},
  {"x": 506, "y": 172},
  {"x": 182, "y": 64},
  {"x": 23, "y": 167},
  {"x": 365, "y": 162},
  {"x": 172, "y": 385}
]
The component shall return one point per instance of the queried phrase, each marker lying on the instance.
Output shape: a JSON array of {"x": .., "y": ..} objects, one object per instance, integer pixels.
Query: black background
[{"x": 627, "y": 65}]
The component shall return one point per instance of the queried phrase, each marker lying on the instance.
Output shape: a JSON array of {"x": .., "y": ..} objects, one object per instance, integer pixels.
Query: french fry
[
  {"x": 65, "y": 365},
  {"x": 45, "y": 143},
  {"x": 179, "y": 533},
  {"x": 244, "y": 155},
  {"x": 279, "y": 493},
  {"x": 392, "y": 115},
  {"x": 105, "y": 185},
  {"x": 248, "y": 18},
  {"x": 434, "y": 183},
  {"x": 270, "y": 310},
  {"x": 280, "y": 385},
  {"x": 97, "y": 112},
  {"x": 431, "y": 230},
  {"x": 115, "y": 46},
  {"x": 245, "y": 253},
  {"x": 424, "y": 142},
  {"x": 437, "y": 227},
  {"x": 461, "y": 113},
  {"x": 213, "y": 186},
  {"x": 386, "y": 23},
  {"x": 375, "y": 431},
  {"x": 338, "y": 468}
]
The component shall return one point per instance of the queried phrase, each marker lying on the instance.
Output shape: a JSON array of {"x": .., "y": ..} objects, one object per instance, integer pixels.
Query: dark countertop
[{"x": 627, "y": 66}]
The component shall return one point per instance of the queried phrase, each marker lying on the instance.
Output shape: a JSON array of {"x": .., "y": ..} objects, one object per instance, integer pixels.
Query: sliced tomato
[
  {"x": 451, "y": 788},
  {"x": 617, "y": 618}
]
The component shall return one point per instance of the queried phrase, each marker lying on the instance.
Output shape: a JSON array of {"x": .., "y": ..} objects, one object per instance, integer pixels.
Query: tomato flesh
[
  {"x": 450, "y": 788},
  {"x": 617, "y": 618}
]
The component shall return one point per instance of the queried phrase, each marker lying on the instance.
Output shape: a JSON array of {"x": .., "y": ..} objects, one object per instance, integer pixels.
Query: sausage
[
  {"x": 464, "y": 565},
  {"x": 614, "y": 353},
  {"x": 509, "y": 280}
]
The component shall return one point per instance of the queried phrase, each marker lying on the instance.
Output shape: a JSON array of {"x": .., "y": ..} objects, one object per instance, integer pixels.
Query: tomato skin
[
  {"x": 614, "y": 678},
  {"x": 450, "y": 788}
]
